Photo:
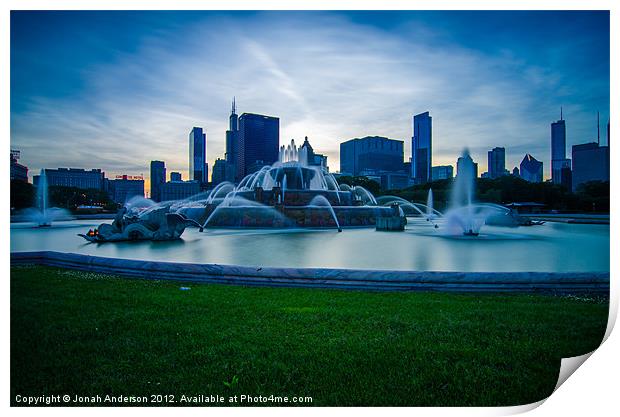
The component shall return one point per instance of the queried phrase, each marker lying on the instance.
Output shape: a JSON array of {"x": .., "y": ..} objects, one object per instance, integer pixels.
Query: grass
[{"x": 88, "y": 334}]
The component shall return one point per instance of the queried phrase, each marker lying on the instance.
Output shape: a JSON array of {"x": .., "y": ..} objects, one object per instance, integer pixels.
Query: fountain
[
  {"x": 464, "y": 217},
  {"x": 289, "y": 193},
  {"x": 321, "y": 201},
  {"x": 429, "y": 205},
  {"x": 42, "y": 215}
]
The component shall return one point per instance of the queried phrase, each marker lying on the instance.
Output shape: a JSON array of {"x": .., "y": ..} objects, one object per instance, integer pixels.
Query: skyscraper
[
  {"x": 465, "y": 165},
  {"x": 158, "y": 179},
  {"x": 232, "y": 144},
  {"x": 258, "y": 142},
  {"x": 371, "y": 155},
  {"x": 218, "y": 173},
  {"x": 421, "y": 148},
  {"x": 198, "y": 169},
  {"x": 531, "y": 169},
  {"x": 559, "y": 163},
  {"x": 442, "y": 172},
  {"x": 590, "y": 161},
  {"x": 497, "y": 162}
]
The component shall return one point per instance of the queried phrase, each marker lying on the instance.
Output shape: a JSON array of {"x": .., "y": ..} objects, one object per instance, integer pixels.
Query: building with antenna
[
  {"x": 591, "y": 160},
  {"x": 232, "y": 144},
  {"x": 258, "y": 143},
  {"x": 560, "y": 165}
]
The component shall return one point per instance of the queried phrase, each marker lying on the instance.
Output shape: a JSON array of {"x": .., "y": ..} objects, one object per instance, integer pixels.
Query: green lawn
[{"x": 88, "y": 334}]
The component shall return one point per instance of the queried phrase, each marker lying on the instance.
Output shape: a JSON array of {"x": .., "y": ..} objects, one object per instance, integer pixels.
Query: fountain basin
[
  {"x": 419, "y": 247},
  {"x": 379, "y": 280}
]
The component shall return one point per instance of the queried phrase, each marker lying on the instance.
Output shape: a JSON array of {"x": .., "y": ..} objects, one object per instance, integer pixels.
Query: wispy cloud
[{"x": 325, "y": 77}]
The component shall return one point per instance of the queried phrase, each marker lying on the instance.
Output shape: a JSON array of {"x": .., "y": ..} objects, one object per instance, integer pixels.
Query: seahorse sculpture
[{"x": 153, "y": 224}]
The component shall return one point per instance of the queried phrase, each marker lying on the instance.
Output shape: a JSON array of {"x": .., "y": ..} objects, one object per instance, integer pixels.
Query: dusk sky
[{"x": 115, "y": 90}]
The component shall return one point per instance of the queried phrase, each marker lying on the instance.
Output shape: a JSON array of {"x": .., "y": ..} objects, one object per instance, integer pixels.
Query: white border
[{"x": 592, "y": 390}]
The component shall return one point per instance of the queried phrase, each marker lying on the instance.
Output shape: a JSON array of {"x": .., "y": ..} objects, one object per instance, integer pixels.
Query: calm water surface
[{"x": 550, "y": 247}]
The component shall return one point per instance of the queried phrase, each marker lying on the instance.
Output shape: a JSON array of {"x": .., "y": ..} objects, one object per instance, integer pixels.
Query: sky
[{"x": 117, "y": 89}]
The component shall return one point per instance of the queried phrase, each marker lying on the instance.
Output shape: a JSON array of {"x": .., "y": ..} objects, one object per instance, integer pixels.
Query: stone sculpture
[{"x": 154, "y": 224}]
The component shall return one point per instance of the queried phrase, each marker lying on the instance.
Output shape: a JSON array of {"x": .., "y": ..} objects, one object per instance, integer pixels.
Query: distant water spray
[
  {"x": 465, "y": 217},
  {"x": 42, "y": 194},
  {"x": 429, "y": 205},
  {"x": 43, "y": 215}
]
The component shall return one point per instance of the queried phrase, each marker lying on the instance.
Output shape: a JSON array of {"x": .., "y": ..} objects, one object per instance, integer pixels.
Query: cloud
[{"x": 324, "y": 76}]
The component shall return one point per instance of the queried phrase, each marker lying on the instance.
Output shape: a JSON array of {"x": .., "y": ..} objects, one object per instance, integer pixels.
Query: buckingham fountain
[
  {"x": 288, "y": 194},
  {"x": 288, "y": 214},
  {"x": 293, "y": 194}
]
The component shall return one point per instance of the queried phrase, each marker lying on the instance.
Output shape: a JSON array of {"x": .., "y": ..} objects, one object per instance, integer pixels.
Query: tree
[
  {"x": 594, "y": 196},
  {"x": 373, "y": 186},
  {"x": 72, "y": 197},
  {"x": 22, "y": 194}
]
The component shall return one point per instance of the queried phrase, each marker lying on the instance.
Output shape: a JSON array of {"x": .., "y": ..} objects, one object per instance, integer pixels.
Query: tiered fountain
[{"x": 290, "y": 193}]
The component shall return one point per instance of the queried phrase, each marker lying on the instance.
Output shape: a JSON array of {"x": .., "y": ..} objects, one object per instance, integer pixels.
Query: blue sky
[{"x": 114, "y": 90}]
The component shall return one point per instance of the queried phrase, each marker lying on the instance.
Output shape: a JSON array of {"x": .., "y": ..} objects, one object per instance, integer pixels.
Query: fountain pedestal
[{"x": 395, "y": 222}]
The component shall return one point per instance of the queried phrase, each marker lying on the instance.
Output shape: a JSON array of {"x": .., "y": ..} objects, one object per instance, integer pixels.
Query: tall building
[
  {"x": 442, "y": 172},
  {"x": 74, "y": 177},
  {"x": 198, "y": 169},
  {"x": 176, "y": 176},
  {"x": 466, "y": 165},
  {"x": 590, "y": 163},
  {"x": 407, "y": 167},
  {"x": 531, "y": 169},
  {"x": 371, "y": 154},
  {"x": 497, "y": 162},
  {"x": 232, "y": 144},
  {"x": 559, "y": 163},
  {"x": 18, "y": 171},
  {"x": 258, "y": 143},
  {"x": 158, "y": 179},
  {"x": 421, "y": 148},
  {"x": 124, "y": 187},
  {"x": 218, "y": 173}
]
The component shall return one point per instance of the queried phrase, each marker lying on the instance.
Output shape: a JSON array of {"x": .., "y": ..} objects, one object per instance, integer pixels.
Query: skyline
[{"x": 132, "y": 78}]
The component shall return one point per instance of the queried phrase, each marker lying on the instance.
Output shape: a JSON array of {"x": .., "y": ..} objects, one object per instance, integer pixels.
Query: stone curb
[{"x": 373, "y": 280}]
